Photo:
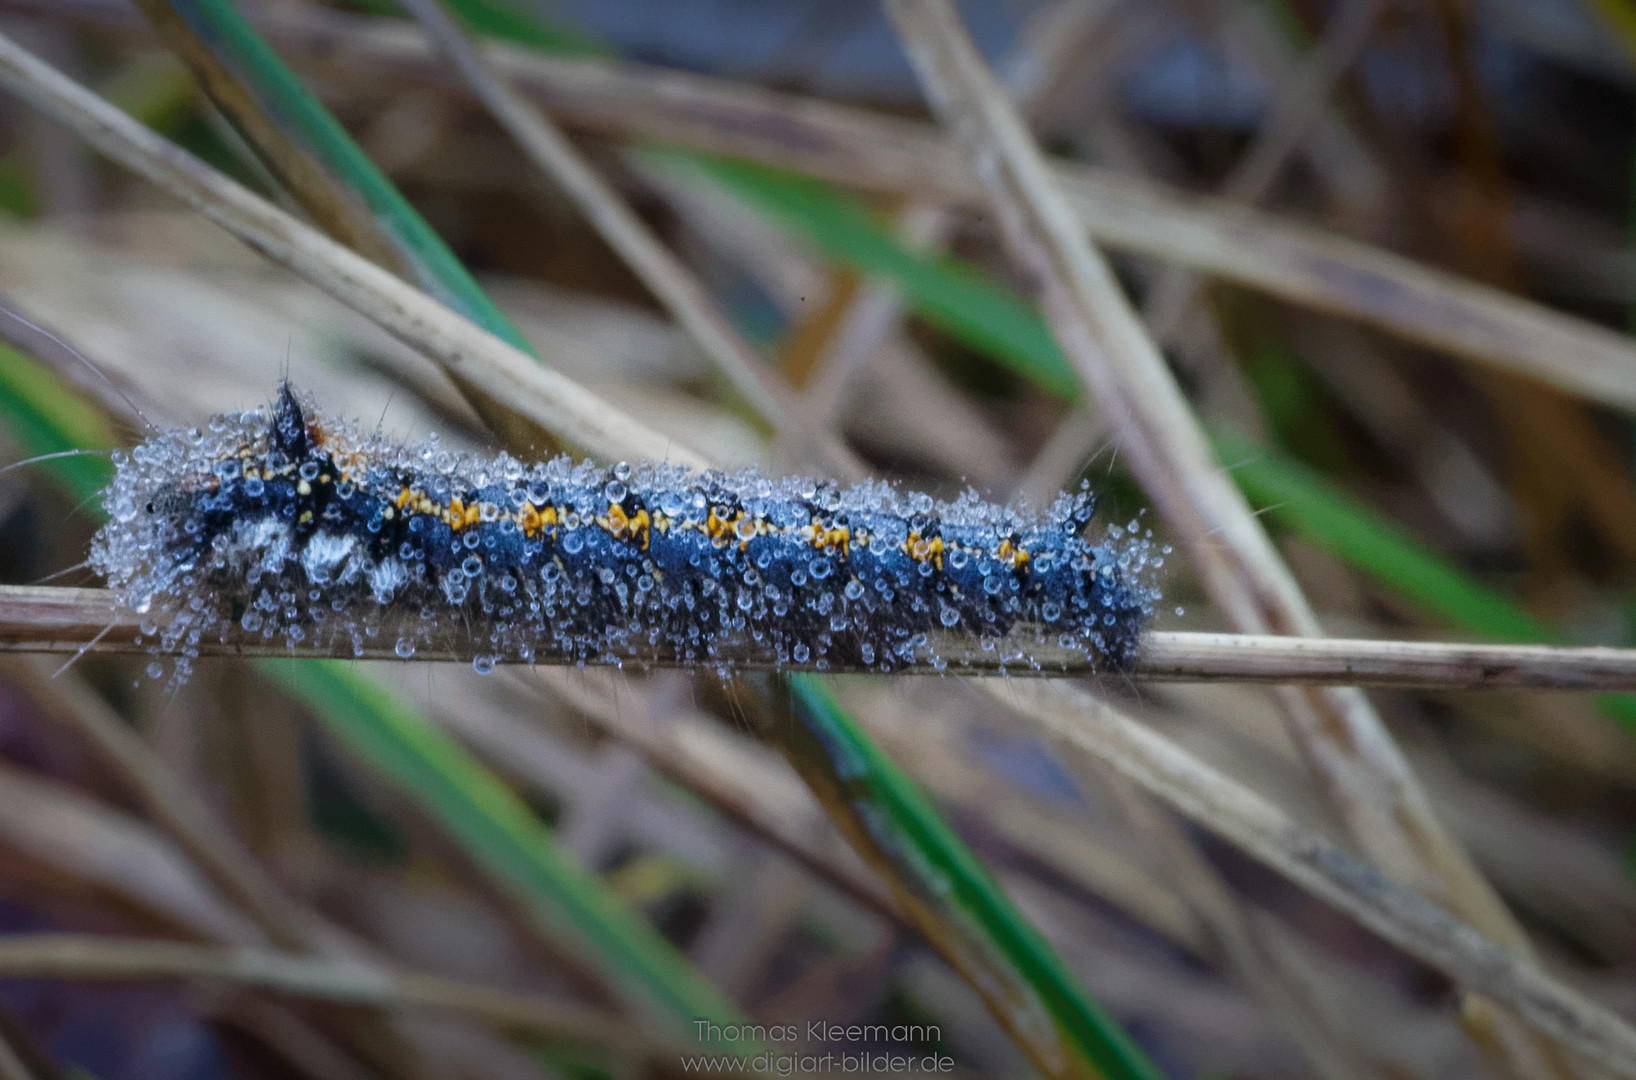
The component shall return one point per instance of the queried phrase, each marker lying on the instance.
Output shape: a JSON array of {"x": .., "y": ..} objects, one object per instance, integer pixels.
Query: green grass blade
[
  {"x": 1320, "y": 511},
  {"x": 1302, "y": 499},
  {"x": 511, "y": 20},
  {"x": 281, "y": 96},
  {"x": 881, "y": 808},
  {"x": 45, "y": 417},
  {"x": 955, "y": 297}
]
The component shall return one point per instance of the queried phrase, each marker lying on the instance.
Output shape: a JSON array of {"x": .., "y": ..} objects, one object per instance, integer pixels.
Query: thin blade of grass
[
  {"x": 336, "y": 981},
  {"x": 665, "y": 276},
  {"x": 1400, "y": 915},
  {"x": 511, "y": 22}
]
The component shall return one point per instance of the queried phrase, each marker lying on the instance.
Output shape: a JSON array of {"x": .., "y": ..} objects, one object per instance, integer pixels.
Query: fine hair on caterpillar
[{"x": 300, "y": 529}]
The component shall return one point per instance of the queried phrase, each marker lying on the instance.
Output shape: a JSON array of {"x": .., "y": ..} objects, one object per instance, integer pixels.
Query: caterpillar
[{"x": 298, "y": 528}]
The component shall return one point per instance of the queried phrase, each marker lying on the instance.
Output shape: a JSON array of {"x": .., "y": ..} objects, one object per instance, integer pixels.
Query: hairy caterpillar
[{"x": 301, "y": 529}]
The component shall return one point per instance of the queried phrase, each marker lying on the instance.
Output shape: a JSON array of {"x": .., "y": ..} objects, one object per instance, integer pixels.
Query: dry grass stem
[
  {"x": 46, "y": 619},
  {"x": 196, "y": 828},
  {"x": 465, "y": 350}
]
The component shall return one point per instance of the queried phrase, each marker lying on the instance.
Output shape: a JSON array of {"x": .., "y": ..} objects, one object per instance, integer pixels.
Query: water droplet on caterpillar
[{"x": 638, "y": 591}]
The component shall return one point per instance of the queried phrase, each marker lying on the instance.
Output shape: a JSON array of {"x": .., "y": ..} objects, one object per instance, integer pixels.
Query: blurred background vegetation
[{"x": 1435, "y": 463}]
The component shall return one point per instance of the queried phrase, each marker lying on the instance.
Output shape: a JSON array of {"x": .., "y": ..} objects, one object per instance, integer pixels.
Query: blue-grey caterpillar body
[{"x": 301, "y": 529}]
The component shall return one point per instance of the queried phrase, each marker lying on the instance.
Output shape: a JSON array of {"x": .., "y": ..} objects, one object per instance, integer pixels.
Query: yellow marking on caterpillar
[
  {"x": 920, "y": 549},
  {"x": 457, "y": 515},
  {"x": 1016, "y": 556},
  {"x": 841, "y": 537},
  {"x": 717, "y": 527},
  {"x": 534, "y": 520},
  {"x": 618, "y": 524}
]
